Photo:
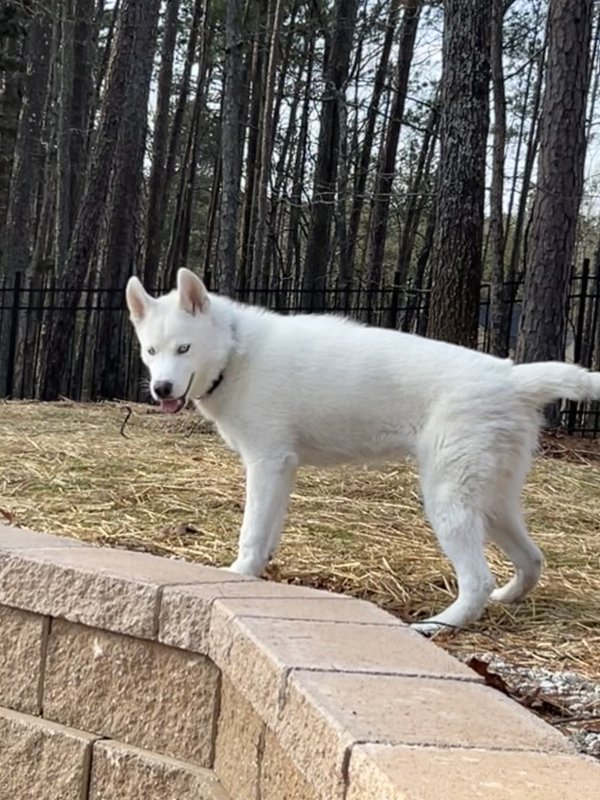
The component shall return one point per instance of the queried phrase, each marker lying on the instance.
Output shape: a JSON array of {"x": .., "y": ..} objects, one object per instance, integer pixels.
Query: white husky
[{"x": 306, "y": 389}]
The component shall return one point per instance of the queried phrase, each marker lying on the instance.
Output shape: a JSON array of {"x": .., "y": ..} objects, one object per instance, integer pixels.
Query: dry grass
[{"x": 172, "y": 488}]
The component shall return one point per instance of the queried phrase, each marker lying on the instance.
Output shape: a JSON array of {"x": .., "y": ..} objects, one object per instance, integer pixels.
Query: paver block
[
  {"x": 257, "y": 653},
  {"x": 185, "y": 611},
  {"x": 320, "y": 608},
  {"x": 12, "y": 538},
  {"x": 239, "y": 744},
  {"x": 413, "y": 773},
  {"x": 41, "y": 760},
  {"x": 139, "y": 692},
  {"x": 326, "y": 713},
  {"x": 123, "y": 772},
  {"x": 22, "y": 644},
  {"x": 402, "y": 710},
  {"x": 117, "y": 590},
  {"x": 279, "y": 778}
]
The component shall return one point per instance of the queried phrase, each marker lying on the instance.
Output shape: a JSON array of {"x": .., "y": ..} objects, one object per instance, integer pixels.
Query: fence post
[
  {"x": 12, "y": 335},
  {"x": 577, "y": 344}
]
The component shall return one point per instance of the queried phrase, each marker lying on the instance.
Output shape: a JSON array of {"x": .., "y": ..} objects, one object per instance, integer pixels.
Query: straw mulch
[{"x": 171, "y": 488}]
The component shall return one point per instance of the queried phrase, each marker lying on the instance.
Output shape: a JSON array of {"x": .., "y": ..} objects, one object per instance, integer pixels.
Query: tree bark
[
  {"x": 283, "y": 170},
  {"x": 102, "y": 56},
  {"x": 362, "y": 169},
  {"x": 122, "y": 242},
  {"x": 231, "y": 137},
  {"x": 122, "y": 235},
  {"x": 294, "y": 245},
  {"x": 419, "y": 198},
  {"x": 13, "y": 67},
  {"x": 248, "y": 221},
  {"x": 499, "y": 305},
  {"x": 513, "y": 271},
  {"x": 266, "y": 147},
  {"x": 198, "y": 23},
  {"x": 178, "y": 249},
  {"x": 156, "y": 184},
  {"x": 59, "y": 328},
  {"x": 318, "y": 249},
  {"x": 76, "y": 94},
  {"x": 414, "y": 304},
  {"x": 387, "y": 162},
  {"x": 456, "y": 258},
  {"x": 559, "y": 182},
  {"x": 30, "y": 153}
]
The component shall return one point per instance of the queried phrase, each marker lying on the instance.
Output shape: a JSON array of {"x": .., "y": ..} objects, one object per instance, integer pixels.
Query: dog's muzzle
[{"x": 171, "y": 405}]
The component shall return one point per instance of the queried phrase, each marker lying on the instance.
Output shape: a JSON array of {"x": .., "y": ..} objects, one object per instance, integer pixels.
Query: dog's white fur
[{"x": 322, "y": 390}]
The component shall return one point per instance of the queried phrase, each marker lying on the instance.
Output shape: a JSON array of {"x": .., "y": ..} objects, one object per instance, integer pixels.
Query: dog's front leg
[{"x": 268, "y": 486}]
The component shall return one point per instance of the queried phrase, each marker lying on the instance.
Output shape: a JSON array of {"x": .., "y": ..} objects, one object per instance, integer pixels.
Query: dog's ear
[
  {"x": 193, "y": 296},
  {"x": 138, "y": 299}
]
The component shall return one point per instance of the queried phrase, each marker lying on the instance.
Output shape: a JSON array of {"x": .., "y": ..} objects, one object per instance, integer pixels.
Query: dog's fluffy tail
[{"x": 546, "y": 381}]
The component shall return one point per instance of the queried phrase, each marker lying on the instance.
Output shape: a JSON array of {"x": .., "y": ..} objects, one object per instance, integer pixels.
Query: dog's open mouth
[{"x": 171, "y": 406}]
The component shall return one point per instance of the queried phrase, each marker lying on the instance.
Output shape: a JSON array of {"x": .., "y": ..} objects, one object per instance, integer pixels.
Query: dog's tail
[{"x": 546, "y": 381}]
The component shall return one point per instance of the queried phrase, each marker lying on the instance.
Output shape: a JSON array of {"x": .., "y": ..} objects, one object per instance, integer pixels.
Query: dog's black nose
[{"x": 163, "y": 389}]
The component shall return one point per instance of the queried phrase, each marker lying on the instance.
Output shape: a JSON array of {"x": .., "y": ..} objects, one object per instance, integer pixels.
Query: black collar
[{"x": 216, "y": 383}]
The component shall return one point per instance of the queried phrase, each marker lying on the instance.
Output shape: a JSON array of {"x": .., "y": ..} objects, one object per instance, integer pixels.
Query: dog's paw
[
  {"x": 245, "y": 566},
  {"x": 508, "y": 594},
  {"x": 426, "y": 628}
]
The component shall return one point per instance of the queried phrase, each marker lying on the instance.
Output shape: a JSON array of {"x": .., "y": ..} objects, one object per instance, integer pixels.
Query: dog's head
[{"x": 181, "y": 342}]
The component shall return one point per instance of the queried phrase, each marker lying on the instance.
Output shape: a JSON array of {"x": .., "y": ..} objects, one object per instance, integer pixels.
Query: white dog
[{"x": 306, "y": 389}]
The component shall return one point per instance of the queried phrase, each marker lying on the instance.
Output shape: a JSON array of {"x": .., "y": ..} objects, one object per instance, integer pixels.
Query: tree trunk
[
  {"x": 103, "y": 157},
  {"x": 13, "y": 66},
  {"x": 156, "y": 185},
  {"x": 180, "y": 228},
  {"x": 417, "y": 302},
  {"x": 456, "y": 258},
  {"x": 499, "y": 305},
  {"x": 283, "y": 169},
  {"x": 122, "y": 241},
  {"x": 30, "y": 152},
  {"x": 419, "y": 197},
  {"x": 211, "y": 224},
  {"x": 59, "y": 329},
  {"x": 294, "y": 246},
  {"x": 257, "y": 60},
  {"x": 387, "y": 163},
  {"x": 103, "y": 58},
  {"x": 76, "y": 93},
  {"x": 231, "y": 137},
  {"x": 122, "y": 234},
  {"x": 198, "y": 22},
  {"x": 362, "y": 169},
  {"x": 266, "y": 146},
  {"x": 559, "y": 182},
  {"x": 318, "y": 249},
  {"x": 530, "y": 154}
]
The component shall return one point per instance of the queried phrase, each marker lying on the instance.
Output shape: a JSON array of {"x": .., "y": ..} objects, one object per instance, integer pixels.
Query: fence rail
[{"x": 101, "y": 358}]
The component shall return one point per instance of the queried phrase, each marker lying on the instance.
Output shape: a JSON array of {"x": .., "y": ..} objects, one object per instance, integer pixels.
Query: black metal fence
[{"x": 101, "y": 357}]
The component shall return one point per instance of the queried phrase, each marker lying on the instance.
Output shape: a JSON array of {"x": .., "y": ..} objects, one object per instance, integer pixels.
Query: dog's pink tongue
[{"x": 170, "y": 406}]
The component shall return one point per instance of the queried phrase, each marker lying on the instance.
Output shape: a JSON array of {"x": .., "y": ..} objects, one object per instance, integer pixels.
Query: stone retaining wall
[{"x": 126, "y": 676}]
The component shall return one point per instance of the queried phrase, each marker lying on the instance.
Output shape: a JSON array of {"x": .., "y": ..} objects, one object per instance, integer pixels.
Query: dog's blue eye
[
  {"x": 151, "y": 351},
  {"x": 183, "y": 348}
]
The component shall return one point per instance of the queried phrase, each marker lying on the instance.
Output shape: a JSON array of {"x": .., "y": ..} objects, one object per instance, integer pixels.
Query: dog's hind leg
[
  {"x": 507, "y": 530},
  {"x": 461, "y": 533},
  {"x": 454, "y": 476},
  {"x": 268, "y": 486},
  {"x": 506, "y": 526}
]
